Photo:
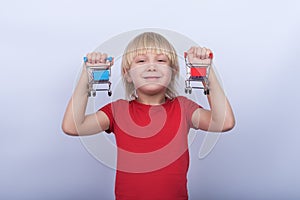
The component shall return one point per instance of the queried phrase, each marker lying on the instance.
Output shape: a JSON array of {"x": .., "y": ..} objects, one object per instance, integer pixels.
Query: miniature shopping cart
[
  {"x": 197, "y": 72},
  {"x": 98, "y": 75}
]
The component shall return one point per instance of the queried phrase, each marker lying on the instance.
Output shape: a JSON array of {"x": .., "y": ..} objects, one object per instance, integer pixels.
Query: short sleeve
[
  {"x": 107, "y": 109},
  {"x": 189, "y": 108}
]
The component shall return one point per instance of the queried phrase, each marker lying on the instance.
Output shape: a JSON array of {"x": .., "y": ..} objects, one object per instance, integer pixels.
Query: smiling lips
[{"x": 150, "y": 76}]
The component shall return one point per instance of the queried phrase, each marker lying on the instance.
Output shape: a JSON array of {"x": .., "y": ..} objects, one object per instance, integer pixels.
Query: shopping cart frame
[
  {"x": 197, "y": 72},
  {"x": 99, "y": 74}
]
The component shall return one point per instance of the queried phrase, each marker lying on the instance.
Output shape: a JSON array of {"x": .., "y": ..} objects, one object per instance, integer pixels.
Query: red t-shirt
[{"x": 153, "y": 156}]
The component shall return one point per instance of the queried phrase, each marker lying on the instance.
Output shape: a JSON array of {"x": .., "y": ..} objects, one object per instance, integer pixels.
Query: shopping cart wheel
[
  {"x": 109, "y": 93},
  {"x": 93, "y": 93},
  {"x": 206, "y": 92}
]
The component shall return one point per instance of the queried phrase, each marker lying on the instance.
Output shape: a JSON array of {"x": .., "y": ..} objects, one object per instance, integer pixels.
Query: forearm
[
  {"x": 222, "y": 118},
  {"x": 75, "y": 112}
]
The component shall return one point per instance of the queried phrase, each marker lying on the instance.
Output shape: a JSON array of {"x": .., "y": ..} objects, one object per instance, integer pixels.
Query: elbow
[
  {"x": 69, "y": 130},
  {"x": 229, "y": 124}
]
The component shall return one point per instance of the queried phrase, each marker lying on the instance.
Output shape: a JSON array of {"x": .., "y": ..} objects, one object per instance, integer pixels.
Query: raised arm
[
  {"x": 220, "y": 117},
  {"x": 75, "y": 121}
]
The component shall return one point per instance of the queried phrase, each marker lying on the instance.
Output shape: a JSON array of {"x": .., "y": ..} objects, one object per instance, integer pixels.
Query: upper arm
[
  {"x": 103, "y": 120},
  {"x": 92, "y": 124},
  {"x": 201, "y": 119},
  {"x": 95, "y": 123}
]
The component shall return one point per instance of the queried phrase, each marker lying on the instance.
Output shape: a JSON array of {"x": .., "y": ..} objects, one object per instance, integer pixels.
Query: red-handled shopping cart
[{"x": 197, "y": 73}]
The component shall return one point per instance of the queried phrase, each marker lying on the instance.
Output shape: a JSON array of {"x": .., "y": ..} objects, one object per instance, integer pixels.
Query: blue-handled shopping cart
[{"x": 99, "y": 75}]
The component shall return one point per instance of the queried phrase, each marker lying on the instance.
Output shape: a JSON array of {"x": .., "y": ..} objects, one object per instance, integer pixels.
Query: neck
[{"x": 156, "y": 99}]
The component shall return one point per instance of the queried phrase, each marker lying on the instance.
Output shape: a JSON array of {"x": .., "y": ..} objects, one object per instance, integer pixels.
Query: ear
[{"x": 128, "y": 77}]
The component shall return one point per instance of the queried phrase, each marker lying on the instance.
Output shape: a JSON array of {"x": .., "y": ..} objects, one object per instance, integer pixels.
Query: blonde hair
[{"x": 154, "y": 43}]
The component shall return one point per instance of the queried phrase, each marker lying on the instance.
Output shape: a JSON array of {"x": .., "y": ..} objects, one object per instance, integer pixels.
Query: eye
[
  {"x": 140, "y": 59},
  {"x": 162, "y": 58}
]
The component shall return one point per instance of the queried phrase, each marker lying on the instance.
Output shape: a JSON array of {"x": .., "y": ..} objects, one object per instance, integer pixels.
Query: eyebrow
[
  {"x": 161, "y": 54},
  {"x": 145, "y": 55}
]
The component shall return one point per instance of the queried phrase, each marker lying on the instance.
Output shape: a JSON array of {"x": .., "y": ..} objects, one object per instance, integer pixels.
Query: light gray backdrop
[{"x": 256, "y": 45}]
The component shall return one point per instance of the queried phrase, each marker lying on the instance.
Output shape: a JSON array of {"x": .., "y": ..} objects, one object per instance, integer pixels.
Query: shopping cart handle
[
  {"x": 211, "y": 55},
  {"x": 85, "y": 59}
]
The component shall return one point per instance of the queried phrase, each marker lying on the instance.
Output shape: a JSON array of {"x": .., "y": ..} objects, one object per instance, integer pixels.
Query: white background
[{"x": 256, "y": 45}]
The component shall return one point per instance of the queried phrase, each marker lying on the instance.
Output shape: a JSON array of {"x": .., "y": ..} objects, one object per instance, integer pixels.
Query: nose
[{"x": 151, "y": 67}]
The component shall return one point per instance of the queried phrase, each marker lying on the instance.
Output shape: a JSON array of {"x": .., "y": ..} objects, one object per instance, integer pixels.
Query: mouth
[{"x": 151, "y": 77}]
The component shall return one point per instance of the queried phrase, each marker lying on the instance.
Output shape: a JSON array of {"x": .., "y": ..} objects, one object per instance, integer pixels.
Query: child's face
[{"x": 150, "y": 73}]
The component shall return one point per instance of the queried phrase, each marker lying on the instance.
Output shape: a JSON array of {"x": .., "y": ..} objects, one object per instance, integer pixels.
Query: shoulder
[
  {"x": 187, "y": 104},
  {"x": 120, "y": 102},
  {"x": 117, "y": 104},
  {"x": 184, "y": 100},
  {"x": 111, "y": 111}
]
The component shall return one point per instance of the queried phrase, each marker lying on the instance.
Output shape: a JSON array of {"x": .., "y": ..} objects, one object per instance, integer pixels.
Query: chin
[{"x": 152, "y": 89}]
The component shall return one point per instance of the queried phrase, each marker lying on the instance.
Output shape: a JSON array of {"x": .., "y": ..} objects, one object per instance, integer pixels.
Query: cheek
[
  {"x": 168, "y": 73},
  {"x": 133, "y": 73},
  {"x": 133, "y": 76}
]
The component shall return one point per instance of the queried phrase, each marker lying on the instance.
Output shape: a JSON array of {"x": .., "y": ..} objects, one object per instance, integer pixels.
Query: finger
[
  {"x": 190, "y": 53},
  {"x": 203, "y": 53},
  {"x": 191, "y": 50},
  {"x": 89, "y": 57},
  {"x": 94, "y": 55},
  {"x": 103, "y": 58},
  {"x": 98, "y": 58},
  {"x": 198, "y": 53}
]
